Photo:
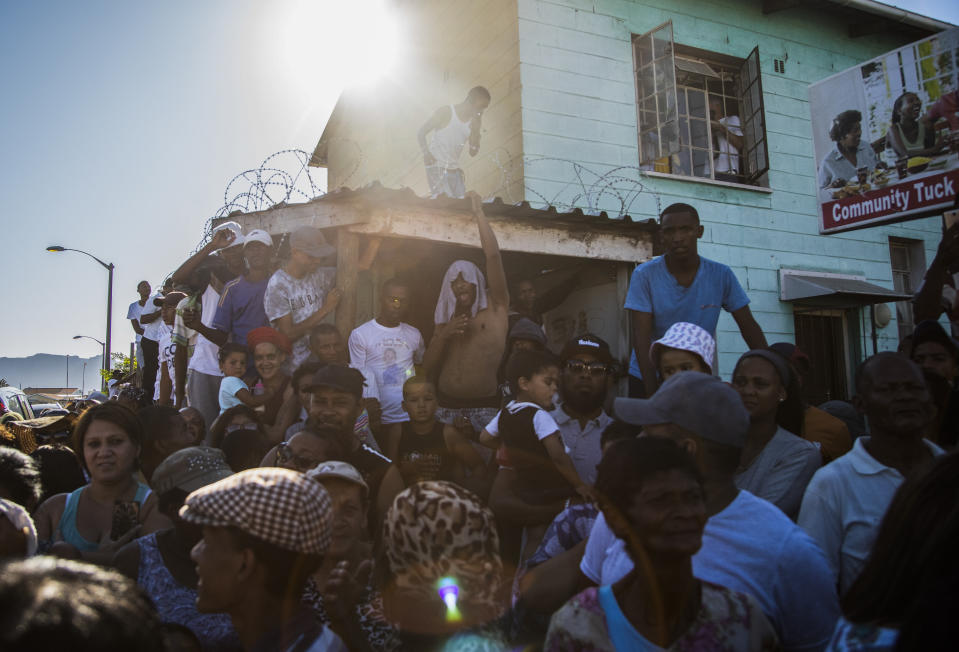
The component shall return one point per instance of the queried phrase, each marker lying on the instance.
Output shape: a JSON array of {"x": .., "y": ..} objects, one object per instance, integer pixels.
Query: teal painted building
[{"x": 574, "y": 94}]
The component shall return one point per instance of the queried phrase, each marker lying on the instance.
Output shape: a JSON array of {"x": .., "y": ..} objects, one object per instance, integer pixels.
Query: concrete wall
[
  {"x": 578, "y": 104},
  {"x": 452, "y": 46}
]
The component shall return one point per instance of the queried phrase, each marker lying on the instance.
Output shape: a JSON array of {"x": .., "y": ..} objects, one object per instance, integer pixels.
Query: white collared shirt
[
  {"x": 582, "y": 444},
  {"x": 836, "y": 166},
  {"x": 844, "y": 504}
]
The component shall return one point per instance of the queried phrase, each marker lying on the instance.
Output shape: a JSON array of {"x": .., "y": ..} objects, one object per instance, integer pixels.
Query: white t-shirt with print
[
  {"x": 388, "y": 355},
  {"x": 167, "y": 349},
  {"x": 299, "y": 297}
]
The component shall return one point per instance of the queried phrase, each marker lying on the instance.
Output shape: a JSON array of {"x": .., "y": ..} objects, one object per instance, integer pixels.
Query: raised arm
[
  {"x": 222, "y": 238},
  {"x": 928, "y": 302},
  {"x": 495, "y": 274}
]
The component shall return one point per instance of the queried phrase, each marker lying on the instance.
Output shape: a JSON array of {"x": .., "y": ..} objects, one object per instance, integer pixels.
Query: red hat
[{"x": 271, "y": 335}]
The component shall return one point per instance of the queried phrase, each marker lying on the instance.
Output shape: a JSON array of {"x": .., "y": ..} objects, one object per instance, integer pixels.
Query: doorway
[{"x": 823, "y": 335}]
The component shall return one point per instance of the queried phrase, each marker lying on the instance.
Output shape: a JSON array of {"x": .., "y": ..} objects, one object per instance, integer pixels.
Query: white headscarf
[
  {"x": 446, "y": 303},
  {"x": 21, "y": 522}
]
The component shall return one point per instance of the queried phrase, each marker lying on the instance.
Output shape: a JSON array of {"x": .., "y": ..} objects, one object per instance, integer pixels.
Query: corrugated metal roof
[{"x": 377, "y": 194}]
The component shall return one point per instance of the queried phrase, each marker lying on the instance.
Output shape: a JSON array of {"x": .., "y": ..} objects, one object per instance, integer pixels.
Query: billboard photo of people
[{"x": 886, "y": 136}]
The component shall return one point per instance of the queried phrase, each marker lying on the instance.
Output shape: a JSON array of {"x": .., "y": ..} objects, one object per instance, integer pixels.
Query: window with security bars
[
  {"x": 699, "y": 115},
  {"x": 907, "y": 259}
]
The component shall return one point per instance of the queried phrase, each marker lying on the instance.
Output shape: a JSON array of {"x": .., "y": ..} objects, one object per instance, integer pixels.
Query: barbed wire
[{"x": 286, "y": 177}]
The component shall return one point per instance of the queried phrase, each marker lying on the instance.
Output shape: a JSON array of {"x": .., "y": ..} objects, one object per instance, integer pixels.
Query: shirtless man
[{"x": 470, "y": 337}]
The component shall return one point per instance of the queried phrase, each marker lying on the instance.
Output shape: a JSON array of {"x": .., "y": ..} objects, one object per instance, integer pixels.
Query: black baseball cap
[
  {"x": 586, "y": 343},
  {"x": 339, "y": 377}
]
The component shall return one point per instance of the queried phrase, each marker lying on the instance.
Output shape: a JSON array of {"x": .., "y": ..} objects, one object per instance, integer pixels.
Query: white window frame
[{"x": 661, "y": 141}]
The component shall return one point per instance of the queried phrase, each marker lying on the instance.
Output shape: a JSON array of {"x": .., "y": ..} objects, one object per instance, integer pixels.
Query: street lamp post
[
  {"x": 109, "y": 268},
  {"x": 103, "y": 350}
]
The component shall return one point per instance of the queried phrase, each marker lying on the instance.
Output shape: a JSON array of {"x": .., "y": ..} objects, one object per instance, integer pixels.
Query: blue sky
[{"x": 121, "y": 124}]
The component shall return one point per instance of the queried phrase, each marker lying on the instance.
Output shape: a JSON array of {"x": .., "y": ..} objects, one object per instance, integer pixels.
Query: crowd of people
[{"x": 275, "y": 484}]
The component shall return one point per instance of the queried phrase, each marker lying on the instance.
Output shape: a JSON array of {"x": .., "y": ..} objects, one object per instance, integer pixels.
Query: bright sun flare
[{"x": 349, "y": 42}]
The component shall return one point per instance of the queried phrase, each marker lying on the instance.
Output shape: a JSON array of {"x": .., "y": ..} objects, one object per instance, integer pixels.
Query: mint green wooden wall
[{"x": 578, "y": 103}]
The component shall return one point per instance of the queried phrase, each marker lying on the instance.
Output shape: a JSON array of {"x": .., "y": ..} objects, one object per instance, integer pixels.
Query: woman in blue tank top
[{"x": 107, "y": 442}]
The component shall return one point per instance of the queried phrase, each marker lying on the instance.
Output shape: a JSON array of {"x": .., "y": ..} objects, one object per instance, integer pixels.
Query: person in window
[
  {"x": 728, "y": 141},
  {"x": 840, "y": 166},
  {"x": 909, "y": 135}
]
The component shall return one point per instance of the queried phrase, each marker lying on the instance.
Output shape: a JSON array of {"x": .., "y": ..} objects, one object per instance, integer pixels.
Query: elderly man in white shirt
[{"x": 846, "y": 500}]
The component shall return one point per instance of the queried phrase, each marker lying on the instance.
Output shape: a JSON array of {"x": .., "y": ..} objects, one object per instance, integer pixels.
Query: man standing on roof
[{"x": 452, "y": 126}]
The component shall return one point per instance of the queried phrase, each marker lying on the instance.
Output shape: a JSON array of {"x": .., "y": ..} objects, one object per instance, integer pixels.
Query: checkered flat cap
[{"x": 278, "y": 506}]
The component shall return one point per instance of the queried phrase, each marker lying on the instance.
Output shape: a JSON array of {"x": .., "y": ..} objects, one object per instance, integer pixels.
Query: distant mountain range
[{"x": 46, "y": 370}]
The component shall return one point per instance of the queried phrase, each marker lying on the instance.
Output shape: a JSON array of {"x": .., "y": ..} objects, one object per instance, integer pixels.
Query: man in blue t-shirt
[
  {"x": 240, "y": 309},
  {"x": 681, "y": 286}
]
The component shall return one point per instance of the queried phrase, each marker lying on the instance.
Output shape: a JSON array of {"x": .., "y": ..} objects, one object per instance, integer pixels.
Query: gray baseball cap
[
  {"x": 700, "y": 403},
  {"x": 310, "y": 241}
]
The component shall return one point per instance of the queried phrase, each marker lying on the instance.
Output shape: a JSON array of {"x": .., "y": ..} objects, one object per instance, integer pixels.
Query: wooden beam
[
  {"x": 539, "y": 236},
  {"x": 282, "y": 219},
  {"x": 347, "y": 274},
  {"x": 529, "y": 236}
]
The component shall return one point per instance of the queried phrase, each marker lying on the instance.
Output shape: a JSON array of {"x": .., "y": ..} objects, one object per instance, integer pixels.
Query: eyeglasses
[
  {"x": 592, "y": 368},
  {"x": 287, "y": 458}
]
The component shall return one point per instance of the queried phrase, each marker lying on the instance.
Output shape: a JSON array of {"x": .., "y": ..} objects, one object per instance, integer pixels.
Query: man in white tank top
[{"x": 452, "y": 126}]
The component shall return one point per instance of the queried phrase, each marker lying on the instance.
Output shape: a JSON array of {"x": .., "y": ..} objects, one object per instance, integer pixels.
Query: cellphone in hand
[{"x": 126, "y": 515}]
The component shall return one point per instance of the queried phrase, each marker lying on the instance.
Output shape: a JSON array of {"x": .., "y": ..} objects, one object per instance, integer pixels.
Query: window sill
[{"x": 708, "y": 182}]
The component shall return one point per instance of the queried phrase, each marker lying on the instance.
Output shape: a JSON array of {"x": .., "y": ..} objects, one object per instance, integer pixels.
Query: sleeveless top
[
  {"x": 447, "y": 143},
  {"x": 423, "y": 457},
  {"x": 176, "y": 603},
  {"x": 916, "y": 145},
  {"x": 68, "y": 520}
]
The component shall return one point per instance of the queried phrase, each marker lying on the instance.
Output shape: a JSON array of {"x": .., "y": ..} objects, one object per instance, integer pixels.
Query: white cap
[
  {"x": 258, "y": 235},
  {"x": 235, "y": 228}
]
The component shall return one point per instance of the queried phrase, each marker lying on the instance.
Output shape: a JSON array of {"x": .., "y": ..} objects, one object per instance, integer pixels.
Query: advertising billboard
[{"x": 886, "y": 136}]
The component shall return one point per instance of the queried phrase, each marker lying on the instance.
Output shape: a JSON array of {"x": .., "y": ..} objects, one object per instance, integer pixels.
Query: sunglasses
[
  {"x": 592, "y": 368},
  {"x": 286, "y": 457}
]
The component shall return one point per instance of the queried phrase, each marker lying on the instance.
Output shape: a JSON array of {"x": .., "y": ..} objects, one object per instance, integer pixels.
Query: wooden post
[
  {"x": 624, "y": 342},
  {"x": 347, "y": 253}
]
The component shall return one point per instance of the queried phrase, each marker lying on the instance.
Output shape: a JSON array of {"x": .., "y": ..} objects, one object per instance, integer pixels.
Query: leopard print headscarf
[{"x": 438, "y": 529}]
